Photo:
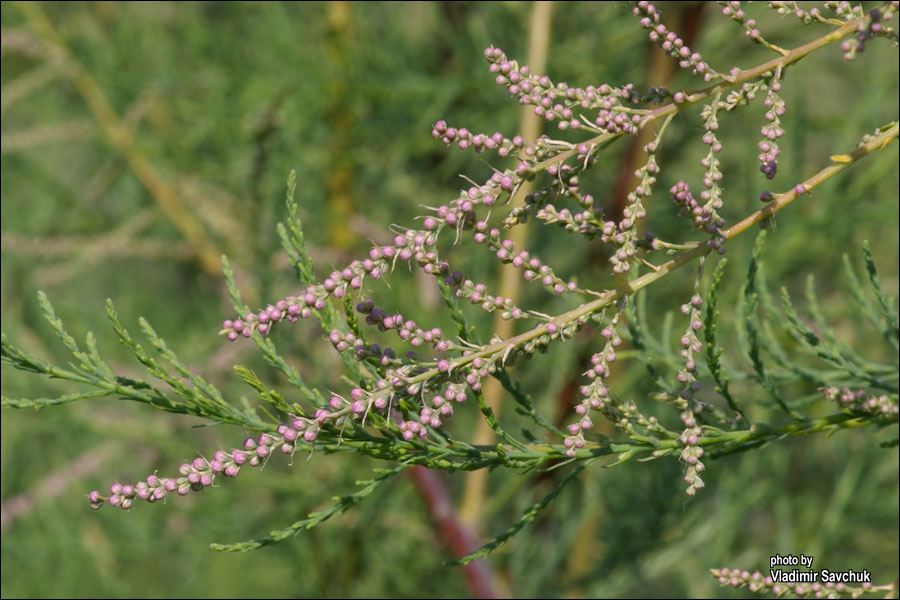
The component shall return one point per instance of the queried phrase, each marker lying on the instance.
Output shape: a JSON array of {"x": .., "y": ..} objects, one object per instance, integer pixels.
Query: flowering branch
[{"x": 399, "y": 401}]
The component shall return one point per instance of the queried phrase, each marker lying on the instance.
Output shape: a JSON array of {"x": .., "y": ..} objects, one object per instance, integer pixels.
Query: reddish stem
[{"x": 460, "y": 539}]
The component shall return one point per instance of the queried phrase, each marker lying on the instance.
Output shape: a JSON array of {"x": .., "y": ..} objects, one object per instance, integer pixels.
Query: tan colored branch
[{"x": 474, "y": 490}]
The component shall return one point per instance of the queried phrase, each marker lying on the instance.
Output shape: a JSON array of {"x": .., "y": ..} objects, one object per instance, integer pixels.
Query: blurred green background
[{"x": 141, "y": 141}]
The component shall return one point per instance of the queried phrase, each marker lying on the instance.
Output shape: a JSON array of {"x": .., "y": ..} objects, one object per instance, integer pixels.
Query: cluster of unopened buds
[
  {"x": 558, "y": 102},
  {"x": 669, "y": 41},
  {"x": 476, "y": 293},
  {"x": 862, "y": 402},
  {"x": 406, "y": 329},
  {"x": 538, "y": 204},
  {"x": 865, "y": 31},
  {"x": 345, "y": 341},
  {"x": 624, "y": 234},
  {"x": 757, "y": 582},
  {"x": 690, "y": 344},
  {"x": 478, "y": 141},
  {"x": 201, "y": 473},
  {"x": 704, "y": 217},
  {"x": 813, "y": 15},
  {"x": 687, "y": 376},
  {"x": 771, "y": 131},
  {"x": 596, "y": 395},
  {"x": 692, "y": 452},
  {"x": 441, "y": 408},
  {"x": 733, "y": 10},
  {"x": 532, "y": 267},
  {"x": 418, "y": 245},
  {"x": 263, "y": 320}
]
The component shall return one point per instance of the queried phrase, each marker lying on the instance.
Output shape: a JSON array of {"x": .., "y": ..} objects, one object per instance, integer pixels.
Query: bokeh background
[{"x": 141, "y": 141}]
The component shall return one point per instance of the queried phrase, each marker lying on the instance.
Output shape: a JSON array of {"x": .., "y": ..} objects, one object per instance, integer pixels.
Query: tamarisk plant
[{"x": 396, "y": 402}]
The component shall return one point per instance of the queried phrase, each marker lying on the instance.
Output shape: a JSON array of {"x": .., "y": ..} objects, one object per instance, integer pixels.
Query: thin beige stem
[{"x": 475, "y": 486}]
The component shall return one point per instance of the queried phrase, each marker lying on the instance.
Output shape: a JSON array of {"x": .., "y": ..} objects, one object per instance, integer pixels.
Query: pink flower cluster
[
  {"x": 558, "y": 102},
  {"x": 862, "y": 402},
  {"x": 670, "y": 43},
  {"x": 201, "y": 473},
  {"x": 705, "y": 217},
  {"x": 757, "y": 582}
]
